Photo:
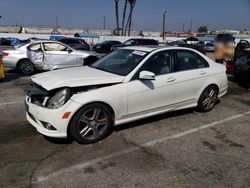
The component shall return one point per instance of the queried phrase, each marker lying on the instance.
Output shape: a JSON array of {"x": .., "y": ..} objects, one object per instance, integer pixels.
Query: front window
[
  {"x": 160, "y": 63},
  {"x": 121, "y": 61},
  {"x": 35, "y": 47}
]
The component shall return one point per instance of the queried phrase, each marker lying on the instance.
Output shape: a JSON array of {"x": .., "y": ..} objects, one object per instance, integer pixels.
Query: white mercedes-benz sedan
[{"x": 130, "y": 83}]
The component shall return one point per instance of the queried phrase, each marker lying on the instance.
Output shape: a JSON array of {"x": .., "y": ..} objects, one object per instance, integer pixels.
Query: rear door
[
  {"x": 57, "y": 56},
  {"x": 191, "y": 73}
]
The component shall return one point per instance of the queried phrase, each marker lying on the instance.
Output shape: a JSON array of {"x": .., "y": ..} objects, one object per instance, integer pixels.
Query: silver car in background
[
  {"x": 46, "y": 55},
  {"x": 209, "y": 47}
]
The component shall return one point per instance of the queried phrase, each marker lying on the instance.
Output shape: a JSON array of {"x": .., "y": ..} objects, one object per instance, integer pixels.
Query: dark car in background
[
  {"x": 137, "y": 42},
  {"x": 242, "y": 49},
  {"x": 241, "y": 71},
  {"x": 197, "y": 47},
  {"x": 105, "y": 47},
  {"x": 75, "y": 43},
  {"x": 9, "y": 41},
  {"x": 241, "y": 64}
]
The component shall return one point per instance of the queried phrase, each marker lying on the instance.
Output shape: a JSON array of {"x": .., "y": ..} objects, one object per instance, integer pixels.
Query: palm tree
[
  {"x": 117, "y": 16},
  {"x": 129, "y": 20},
  {"x": 124, "y": 16}
]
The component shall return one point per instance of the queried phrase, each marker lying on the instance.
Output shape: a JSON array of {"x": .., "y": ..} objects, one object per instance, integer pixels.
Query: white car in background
[
  {"x": 46, "y": 55},
  {"x": 129, "y": 84}
]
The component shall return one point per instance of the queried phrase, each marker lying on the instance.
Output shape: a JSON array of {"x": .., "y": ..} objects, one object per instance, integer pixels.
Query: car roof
[{"x": 143, "y": 48}]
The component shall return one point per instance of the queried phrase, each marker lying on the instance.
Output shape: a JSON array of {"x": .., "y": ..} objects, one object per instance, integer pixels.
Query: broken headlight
[{"x": 59, "y": 99}]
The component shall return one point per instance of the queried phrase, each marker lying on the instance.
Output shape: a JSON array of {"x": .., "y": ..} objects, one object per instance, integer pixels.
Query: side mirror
[
  {"x": 146, "y": 75},
  {"x": 69, "y": 50}
]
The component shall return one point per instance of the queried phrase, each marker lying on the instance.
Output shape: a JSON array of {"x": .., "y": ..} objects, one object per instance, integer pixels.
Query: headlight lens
[{"x": 59, "y": 99}]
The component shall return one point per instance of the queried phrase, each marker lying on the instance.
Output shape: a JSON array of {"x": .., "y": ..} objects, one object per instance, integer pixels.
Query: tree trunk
[
  {"x": 124, "y": 16},
  {"x": 117, "y": 16},
  {"x": 129, "y": 20}
]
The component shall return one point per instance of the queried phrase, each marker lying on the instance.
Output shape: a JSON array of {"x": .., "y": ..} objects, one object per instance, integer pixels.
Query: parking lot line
[
  {"x": 9, "y": 103},
  {"x": 134, "y": 148}
]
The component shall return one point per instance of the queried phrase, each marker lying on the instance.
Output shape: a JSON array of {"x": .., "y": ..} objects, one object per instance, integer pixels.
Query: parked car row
[{"x": 34, "y": 54}]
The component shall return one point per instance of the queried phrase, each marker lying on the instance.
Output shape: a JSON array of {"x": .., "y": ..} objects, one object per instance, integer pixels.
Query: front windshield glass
[{"x": 121, "y": 61}]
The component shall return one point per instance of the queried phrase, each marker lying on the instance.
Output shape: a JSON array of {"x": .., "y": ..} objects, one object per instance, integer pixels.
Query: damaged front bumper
[{"x": 48, "y": 122}]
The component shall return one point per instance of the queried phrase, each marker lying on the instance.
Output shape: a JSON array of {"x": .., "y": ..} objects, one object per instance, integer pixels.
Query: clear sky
[{"x": 216, "y": 14}]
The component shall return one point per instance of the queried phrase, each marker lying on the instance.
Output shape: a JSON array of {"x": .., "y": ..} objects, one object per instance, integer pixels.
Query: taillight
[{"x": 5, "y": 54}]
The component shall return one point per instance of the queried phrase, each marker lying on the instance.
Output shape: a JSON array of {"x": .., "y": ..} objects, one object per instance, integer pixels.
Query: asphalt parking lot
[{"x": 179, "y": 149}]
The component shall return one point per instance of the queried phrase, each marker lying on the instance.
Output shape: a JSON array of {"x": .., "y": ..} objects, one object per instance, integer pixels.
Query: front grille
[{"x": 37, "y": 94}]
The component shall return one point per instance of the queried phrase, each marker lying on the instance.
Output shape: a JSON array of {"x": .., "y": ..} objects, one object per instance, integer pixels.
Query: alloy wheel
[
  {"x": 27, "y": 68},
  {"x": 92, "y": 124},
  {"x": 210, "y": 98}
]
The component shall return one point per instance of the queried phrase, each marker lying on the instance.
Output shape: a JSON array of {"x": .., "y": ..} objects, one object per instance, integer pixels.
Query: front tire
[
  {"x": 208, "y": 99},
  {"x": 27, "y": 67},
  {"x": 91, "y": 124}
]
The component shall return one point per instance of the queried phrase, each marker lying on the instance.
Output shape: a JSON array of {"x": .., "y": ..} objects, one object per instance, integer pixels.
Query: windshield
[
  {"x": 129, "y": 42},
  {"x": 121, "y": 61},
  {"x": 209, "y": 44}
]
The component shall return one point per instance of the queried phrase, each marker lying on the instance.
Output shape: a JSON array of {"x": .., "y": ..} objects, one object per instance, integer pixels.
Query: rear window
[
  {"x": 188, "y": 60},
  {"x": 209, "y": 44}
]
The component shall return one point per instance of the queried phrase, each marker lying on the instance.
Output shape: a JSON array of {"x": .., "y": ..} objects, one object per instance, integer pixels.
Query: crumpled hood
[{"x": 75, "y": 77}]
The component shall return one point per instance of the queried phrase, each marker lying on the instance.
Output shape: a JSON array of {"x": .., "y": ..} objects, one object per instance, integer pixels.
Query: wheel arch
[
  {"x": 96, "y": 102},
  {"x": 216, "y": 85},
  {"x": 21, "y": 60}
]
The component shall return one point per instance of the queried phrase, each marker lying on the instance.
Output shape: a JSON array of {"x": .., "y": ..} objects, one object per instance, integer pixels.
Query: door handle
[
  {"x": 203, "y": 72},
  {"x": 171, "y": 79}
]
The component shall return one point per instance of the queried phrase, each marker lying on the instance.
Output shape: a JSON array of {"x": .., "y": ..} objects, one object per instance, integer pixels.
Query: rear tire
[
  {"x": 27, "y": 67},
  {"x": 91, "y": 124},
  {"x": 208, "y": 99}
]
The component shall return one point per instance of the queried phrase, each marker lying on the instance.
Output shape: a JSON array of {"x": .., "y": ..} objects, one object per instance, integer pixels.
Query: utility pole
[
  {"x": 191, "y": 26},
  {"x": 56, "y": 25},
  {"x": 183, "y": 28},
  {"x": 104, "y": 23},
  {"x": 163, "y": 25}
]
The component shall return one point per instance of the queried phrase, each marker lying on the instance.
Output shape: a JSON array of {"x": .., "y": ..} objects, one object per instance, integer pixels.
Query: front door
[
  {"x": 151, "y": 95},
  {"x": 191, "y": 73},
  {"x": 59, "y": 56}
]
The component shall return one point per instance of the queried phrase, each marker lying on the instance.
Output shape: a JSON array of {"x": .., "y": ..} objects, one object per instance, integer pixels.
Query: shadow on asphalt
[
  {"x": 153, "y": 119},
  {"x": 60, "y": 141},
  {"x": 143, "y": 122},
  {"x": 12, "y": 75}
]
